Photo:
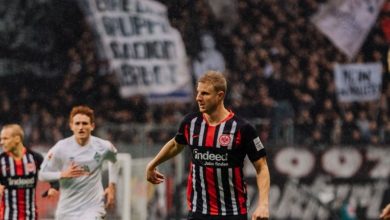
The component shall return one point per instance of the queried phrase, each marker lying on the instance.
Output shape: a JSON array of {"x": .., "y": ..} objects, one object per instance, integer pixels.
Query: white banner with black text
[
  {"x": 358, "y": 82},
  {"x": 143, "y": 49}
]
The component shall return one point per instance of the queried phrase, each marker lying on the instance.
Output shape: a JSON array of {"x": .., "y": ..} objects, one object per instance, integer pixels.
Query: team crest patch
[
  {"x": 97, "y": 157},
  {"x": 224, "y": 140},
  {"x": 31, "y": 167}
]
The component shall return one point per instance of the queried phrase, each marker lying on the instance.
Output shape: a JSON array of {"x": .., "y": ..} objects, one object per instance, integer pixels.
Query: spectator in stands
[
  {"x": 350, "y": 133},
  {"x": 281, "y": 92},
  {"x": 209, "y": 58},
  {"x": 269, "y": 37},
  {"x": 364, "y": 125},
  {"x": 303, "y": 126},
  {"x": 317, "y": 139},
  {"x": 321, "y": 134}
]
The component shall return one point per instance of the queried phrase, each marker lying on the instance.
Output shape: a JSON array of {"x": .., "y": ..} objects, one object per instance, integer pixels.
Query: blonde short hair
[
  {"x": 17, "y": 130},
  {"x": 216, "y": 79}
]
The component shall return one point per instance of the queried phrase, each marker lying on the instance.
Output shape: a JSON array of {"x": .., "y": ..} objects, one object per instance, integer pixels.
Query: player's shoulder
[
  {"x": 34, "y": 153},
  {"x": 63, "y": 144},
  {"x": 3, "y": 154},
  {"x": 190, "y": 116},
  {"x": 242, "y": 123},
  {"x": 239, "y": 119},
  {"x": 100, "y": 142},
  {"x": 65, "y": 141}
]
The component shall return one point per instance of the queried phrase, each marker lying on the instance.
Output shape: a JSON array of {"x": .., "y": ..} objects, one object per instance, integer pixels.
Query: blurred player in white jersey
[{"x": 76, "y": 162}]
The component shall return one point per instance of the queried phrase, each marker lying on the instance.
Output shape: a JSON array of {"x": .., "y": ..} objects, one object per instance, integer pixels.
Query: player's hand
[
  {"x": 153, "y": 176},
  {"x": 73, "y": 171},
  {"x": 51, "y": 193},
  {"x": 261, "y": 213},
  {"x": 109, "y": 194},
  {"x": 385, "y": 212}
]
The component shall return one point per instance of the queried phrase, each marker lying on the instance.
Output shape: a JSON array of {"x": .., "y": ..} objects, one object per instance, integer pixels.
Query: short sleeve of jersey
[
  {"x": 180, "y": 136},
  {"x": 2, "y": 178},
  {"x": 111, "y": 154},
  {"x": 38, "y": 158},
  {"x": 252, "y": 143},
  {"x": 52, "y": 161}
]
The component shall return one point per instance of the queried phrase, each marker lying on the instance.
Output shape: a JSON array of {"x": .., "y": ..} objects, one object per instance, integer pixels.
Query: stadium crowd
[{"x": 279, "y": 66}]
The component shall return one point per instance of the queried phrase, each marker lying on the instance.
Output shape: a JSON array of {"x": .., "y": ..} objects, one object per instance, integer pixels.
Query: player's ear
[
  {"x": 20, "y": 139},
  {"x": 221, "y": 95}
]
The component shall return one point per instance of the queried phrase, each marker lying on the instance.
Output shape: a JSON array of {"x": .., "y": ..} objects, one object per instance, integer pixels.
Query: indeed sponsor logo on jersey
[
  {"x": 211, "y": 159},
  {"x": 21, "y": 182}
]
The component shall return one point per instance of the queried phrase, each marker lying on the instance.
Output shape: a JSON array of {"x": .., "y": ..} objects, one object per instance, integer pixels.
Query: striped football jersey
[
  {"x": 216, "y": 184},
  {"x": 20, "y": 179}
]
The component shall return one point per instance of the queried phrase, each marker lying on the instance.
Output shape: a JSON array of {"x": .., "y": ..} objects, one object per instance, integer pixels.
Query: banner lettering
[
  {"x": 145, "y": 52},
  {"x": 358, "y": 82}
]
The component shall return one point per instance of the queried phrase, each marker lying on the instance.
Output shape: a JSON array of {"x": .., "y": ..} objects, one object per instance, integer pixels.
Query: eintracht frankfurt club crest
[{"x": 224, "y": 140}]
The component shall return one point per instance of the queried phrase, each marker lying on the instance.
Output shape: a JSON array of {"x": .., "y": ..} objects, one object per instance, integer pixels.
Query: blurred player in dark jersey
[
  {"x": 18, "y": 175},
  {"x": 219, "y": 141}
]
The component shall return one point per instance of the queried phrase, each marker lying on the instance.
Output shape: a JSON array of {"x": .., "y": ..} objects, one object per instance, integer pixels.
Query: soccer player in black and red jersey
[
  {"x": 18, "y": 175},
  {"x": 219, "y": 141}
]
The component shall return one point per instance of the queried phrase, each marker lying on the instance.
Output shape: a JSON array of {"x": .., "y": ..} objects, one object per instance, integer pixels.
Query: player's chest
[
  {"x": 89, "y": 159},
  {"x": 18, "y": 173},
  {"x": 223, "y": 136},
  {"x": 23, "y": 167}
]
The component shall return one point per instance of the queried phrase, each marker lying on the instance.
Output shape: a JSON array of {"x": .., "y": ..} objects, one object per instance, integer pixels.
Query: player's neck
[
  {"x": 18, "y": 152},
  {"x": 82, "y": 141},
  {"x": 217, "y": 116}
]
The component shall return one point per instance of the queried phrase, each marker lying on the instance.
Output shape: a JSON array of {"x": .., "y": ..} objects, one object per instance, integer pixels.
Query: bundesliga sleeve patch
[
  {"x": 258, "y": 144},
  {"x": 50, "y": 155}
]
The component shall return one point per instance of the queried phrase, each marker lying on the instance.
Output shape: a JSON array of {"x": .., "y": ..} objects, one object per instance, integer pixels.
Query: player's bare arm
[
  {"x": 2, "y": 187},
  {"x": 169, "y": 150},
  {"x": 263, "y": 185},
  {"x": 110, "y": 194},
  {"x": 385, "y": 212},
  {"x": 110, "y": 191}
]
